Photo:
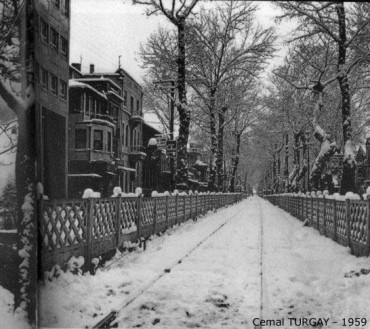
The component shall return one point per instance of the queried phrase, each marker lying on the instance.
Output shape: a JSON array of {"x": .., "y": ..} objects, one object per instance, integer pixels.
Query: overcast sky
[{"x": 102, "y": 30}]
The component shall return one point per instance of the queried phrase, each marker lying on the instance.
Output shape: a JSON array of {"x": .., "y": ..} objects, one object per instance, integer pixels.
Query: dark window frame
[
  {"x": 63, "y": 95},
  {"x": 44, "y": 31},
  {"x": 54, "y": 44},
  {"x": 80, "y": 139},
  {"x": 64, "y": 47},
  {"x": 44, "y": 74},
  {"x": 109, "y": 142},
  {"x": 53, "y": 89},
  {"x": 125, "y": 97},
  {"x": 98, "y": 143},
  {"x": 66, "y": 8}
]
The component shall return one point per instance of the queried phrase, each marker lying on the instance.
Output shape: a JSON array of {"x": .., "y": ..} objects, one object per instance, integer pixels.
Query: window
[
  {"x": 98, "y": 140},
  {"x": 44, "y": 79},
  {"x": 132, "y": 105},
  {"x": 44, "y": 31},
  {"x": 53, "y": 84},
  {"x": 54, "y": 39},
  {"x": 114, "y": 112},
  {"x": 125, "y": 97},
  {"x": 64, "y": 46},
  {"x": 56, "y": 3},
  {"x": 123, "y": 134},
  {"x": 80, "y": 139},
  {"x": 109, "y": 142},
  {"x": 138, "y": 107},
  {"x": 127, "y": 132},
  {"x": 63, "y": 89},
  {"x": 66, "y": 8}
]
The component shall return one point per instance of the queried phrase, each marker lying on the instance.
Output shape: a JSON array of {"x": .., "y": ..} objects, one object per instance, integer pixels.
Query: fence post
[
  {"x": 302, "y": 211},
  {"x": 191, "y": 204},
  {"x": 196, "y": 206},
  {"x": 138, "y": 218},
  {"x": 184, "y": 208},
  {"x": 89, "y": 232},
  {"x": 318, "y": 214},
  {"x": 348, "y": 222},
  {"x": 176, "y": 208},
  {"x": 166, "y": 212},
  {"x": 324, "y": 215},
  {"x": 154, "y": 215},
  {"x": 335, "y": 220},
  {"x": 368, "y": 226},
  {"x": 118, "y": 219},
  {"x": 311, "y": 212}
]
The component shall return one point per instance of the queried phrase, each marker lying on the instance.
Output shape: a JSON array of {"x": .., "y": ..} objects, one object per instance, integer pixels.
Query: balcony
[
  {"x": 136, "y": 119},
  {"x": 137, "y": 153}
]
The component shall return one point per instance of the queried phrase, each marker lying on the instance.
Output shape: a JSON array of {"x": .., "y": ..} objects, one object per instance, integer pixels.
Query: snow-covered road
[{"x": 259, "y": 254}]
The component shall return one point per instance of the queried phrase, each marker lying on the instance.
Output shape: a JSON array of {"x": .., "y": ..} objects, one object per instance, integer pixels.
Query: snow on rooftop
[
  {"x": 78, "y": 84},
  {"x": 102, "y": 78}
]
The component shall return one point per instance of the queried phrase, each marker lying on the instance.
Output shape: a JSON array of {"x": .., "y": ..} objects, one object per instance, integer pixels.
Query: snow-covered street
[{"x": 251, "y": 260}]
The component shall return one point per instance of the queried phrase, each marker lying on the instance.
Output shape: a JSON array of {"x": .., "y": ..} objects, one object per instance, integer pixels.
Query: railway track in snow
[{"x": 109, "y": 320}]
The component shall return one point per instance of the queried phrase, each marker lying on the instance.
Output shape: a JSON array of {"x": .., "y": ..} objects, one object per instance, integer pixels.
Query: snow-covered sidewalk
[{"x": 218, "y": 285}]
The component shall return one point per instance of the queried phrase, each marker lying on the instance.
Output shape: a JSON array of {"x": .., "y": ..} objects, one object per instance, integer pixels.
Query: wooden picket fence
[
  {"x": 346, "y": 222},
  {"x": 92, "y": 227}
]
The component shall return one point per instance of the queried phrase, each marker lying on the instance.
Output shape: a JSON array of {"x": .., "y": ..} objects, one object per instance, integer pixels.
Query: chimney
[
  {"x": 91, "y": 68},
  {"x": 77, "y": 66}
]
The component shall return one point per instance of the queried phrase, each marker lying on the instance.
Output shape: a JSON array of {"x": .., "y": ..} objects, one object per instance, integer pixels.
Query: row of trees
[
  {"x": 321, "y": 92},
  {"x": 221, "y": 51}
]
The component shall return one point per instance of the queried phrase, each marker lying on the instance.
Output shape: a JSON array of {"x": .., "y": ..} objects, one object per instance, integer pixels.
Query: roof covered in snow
[{"x": 78, "y": 84}]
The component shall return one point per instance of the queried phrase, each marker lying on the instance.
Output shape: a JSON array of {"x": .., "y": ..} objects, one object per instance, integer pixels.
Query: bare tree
[
  {"x": 16, "y": 89},
  {"x": 8, "y": 134},
  {"x": 177, "y": 13},
  {"x": 246, "y": 113},
  {"x": 341, "y": 26},
  {"x": 226, "y": 44}
]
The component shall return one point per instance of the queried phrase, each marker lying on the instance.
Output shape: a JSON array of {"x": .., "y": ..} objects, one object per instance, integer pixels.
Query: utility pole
[
  {"x": 163, "y": 84},
  {"x": 172, "y": 109}
]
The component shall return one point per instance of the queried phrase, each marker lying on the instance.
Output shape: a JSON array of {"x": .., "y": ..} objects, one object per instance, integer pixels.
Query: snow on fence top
[{"x": 92, "y": 226}]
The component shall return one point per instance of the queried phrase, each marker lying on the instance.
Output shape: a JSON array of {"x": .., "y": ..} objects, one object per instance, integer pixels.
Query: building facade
[
  {"x": 105, "y": 132},
  {"x": 51, "y": 52}
]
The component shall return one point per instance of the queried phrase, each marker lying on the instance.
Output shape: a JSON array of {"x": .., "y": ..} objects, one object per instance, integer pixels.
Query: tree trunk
[
  {"x": 348, "y": 178},
  {"x": 25, "y": 299},
  {"x": 286, "y": 164},
  {"x": 327, "y": 146},
  {"x": 296, "y": 165},
  {"x": 303, "y": 168},
  {"x": 184, "y": 113},
  {"x": 212, "y": 122},
  {"x": 235, "y": 162},
  {"x": 220, "y": 148}
]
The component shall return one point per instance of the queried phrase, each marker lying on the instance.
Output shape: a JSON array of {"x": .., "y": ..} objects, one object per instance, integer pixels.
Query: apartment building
[
  {"x": 51, "y": 52},
  {"x": 105, "y": 131}
]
